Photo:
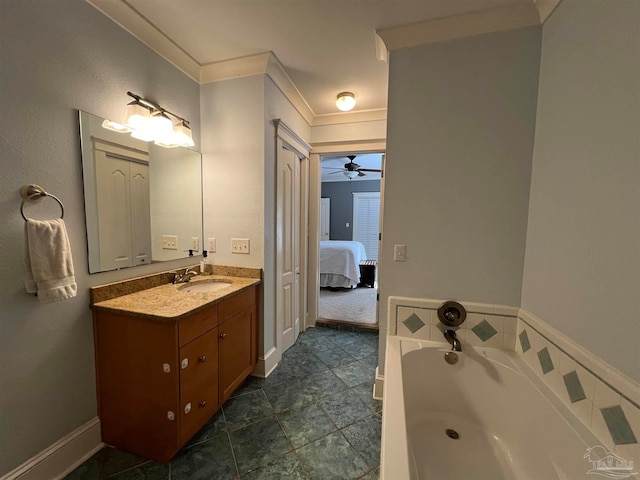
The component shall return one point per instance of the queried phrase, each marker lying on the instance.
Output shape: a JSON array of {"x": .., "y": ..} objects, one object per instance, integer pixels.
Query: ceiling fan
[{"x": 351, "y": 169}]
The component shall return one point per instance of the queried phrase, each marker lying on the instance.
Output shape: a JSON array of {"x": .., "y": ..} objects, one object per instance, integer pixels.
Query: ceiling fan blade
[
  {"x": 368, "y": 170},
  {"x": 361, "y": 174},
  {"x": 333, "y": 168},
  {"x": 339, "y": 171}
]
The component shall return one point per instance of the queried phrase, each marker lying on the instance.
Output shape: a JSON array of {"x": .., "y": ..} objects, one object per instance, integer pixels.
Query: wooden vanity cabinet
[{"x": 159, "y": 382}]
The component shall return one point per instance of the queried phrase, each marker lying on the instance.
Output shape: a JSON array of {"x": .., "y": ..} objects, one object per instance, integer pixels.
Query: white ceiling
[{"x": 325, "y": 46}]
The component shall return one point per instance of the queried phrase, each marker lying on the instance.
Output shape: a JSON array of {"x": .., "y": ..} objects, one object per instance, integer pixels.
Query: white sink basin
[{"x": 204, "y": 287}]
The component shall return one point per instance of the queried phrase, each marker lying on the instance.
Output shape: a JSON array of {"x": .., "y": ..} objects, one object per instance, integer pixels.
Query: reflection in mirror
[{"x": 143, "y": 202}]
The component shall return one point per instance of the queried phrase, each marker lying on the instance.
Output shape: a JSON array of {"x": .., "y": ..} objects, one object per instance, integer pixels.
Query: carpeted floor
[{"x": 357, "y": 305}]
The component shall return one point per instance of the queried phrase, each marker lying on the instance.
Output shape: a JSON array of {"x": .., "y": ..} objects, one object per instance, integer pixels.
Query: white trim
[
  {"x": 507, "y": 17},
  {"x": 615, "y": 378},
  {"x": 266, "y": 364},
  {"x": 358, "y": 116},
  {"x": 145, "y": 31},
  {"x": 234, "y": 68},
  {"x": 277, "y": 73},
  {"x": 291, "y": 138},
  {"x": 61, "y": 458},
  {"x": 378, "y": 387},
  {"x": 546, "y": 8},
  {"x": 375, "y": 145}
]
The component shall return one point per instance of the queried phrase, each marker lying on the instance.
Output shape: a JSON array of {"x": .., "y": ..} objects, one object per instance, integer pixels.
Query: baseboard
[
  {"x": 266, "y": 364},
  {"x": 61, "y": 458},
  {"x": 378, "y": 387}
]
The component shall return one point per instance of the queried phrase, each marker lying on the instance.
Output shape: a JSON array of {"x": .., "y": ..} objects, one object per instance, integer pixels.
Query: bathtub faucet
[{"x": 450, "y": 336}]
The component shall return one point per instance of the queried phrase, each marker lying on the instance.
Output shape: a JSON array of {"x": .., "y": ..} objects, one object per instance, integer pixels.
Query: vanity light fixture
[
  {"x": 346, "y": 101},
  {"x": 150, "y": 122}
]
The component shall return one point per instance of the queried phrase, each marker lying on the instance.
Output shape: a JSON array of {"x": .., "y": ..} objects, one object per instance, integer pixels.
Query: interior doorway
[{"x": 350, "y": 186}]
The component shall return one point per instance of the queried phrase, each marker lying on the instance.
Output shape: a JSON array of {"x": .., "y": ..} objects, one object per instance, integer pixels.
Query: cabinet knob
[
  {"x": 223, "y": 336},
  {"x": 202, "y": 359},
  {"x": 187, "y": 408},
  {"x": 203, "y": 403}
]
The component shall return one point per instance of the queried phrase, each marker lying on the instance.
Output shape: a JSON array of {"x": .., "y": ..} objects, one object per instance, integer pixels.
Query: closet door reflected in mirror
[{"x": 137, "y": 194}]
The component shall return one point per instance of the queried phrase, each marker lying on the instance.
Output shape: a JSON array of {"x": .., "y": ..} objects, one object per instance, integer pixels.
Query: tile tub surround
[
  {"x": 602, "y": 398},
  {"x": 313, "y": 417},
  {"x": 486, "y": 325}
]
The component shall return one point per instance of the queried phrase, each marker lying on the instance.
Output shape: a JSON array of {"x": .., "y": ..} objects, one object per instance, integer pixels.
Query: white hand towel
[{"x": 48, "y": 261}]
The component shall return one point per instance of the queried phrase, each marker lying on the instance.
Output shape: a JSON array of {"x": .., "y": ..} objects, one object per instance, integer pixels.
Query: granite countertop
[{"x": 167, "y": 303}]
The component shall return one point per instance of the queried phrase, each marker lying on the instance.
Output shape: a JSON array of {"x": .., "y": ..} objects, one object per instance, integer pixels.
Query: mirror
[{"x": 143, "y": 202}]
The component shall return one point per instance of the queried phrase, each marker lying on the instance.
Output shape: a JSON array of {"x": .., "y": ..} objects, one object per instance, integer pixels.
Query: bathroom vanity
[{"x": 168, "y": 357}]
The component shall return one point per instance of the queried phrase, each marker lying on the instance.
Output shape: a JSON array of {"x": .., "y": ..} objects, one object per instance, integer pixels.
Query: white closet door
[{"x": 366, "y": 221}]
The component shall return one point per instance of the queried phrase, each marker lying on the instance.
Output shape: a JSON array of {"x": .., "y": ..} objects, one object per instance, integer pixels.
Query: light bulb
[{"x": 346, "y": 101}]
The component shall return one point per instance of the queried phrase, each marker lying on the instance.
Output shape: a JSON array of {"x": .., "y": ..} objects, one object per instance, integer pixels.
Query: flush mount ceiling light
[
  {"x": 346, "y": 101},
  {"x": 150, "y": 122}
]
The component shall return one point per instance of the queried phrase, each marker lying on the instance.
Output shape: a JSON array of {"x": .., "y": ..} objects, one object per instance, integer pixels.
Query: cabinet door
[
  {"x": 198, "y": 383},
  {"x": 236, "y": 359}
]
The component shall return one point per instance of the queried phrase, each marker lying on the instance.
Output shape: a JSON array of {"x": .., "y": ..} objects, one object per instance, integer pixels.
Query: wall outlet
[
  {"x": 399, "y": 253},
  {"x": 195, "y": 243},
  {"x": 169, "y": 242},
  {"x": 240, "y": 245},
  {"x": 212, "y": 245}
]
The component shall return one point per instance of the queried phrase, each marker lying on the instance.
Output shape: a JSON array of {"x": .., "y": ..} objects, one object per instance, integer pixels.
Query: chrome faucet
[
  {"x": 450, "y": 336},
  {"x": 185, "y": 277}
]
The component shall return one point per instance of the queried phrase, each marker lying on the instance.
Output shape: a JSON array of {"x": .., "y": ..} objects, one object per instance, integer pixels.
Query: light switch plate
[
  {"x": 212, "y": 245},
  {"x": 169, "y": 242},
  {"x": 240, "y": 245},
  {"x": 399, "y": 253},
  {"x": 195, "y": 243}
]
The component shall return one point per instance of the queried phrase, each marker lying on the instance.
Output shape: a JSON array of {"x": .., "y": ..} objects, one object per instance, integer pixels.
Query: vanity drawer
[
  {"x": 235, "y": 304},
  {"x": 198, "y": 383},
  {"x": 195, "y": 325}
]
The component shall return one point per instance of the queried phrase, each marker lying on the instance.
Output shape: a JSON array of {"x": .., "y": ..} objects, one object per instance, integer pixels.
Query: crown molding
[
  {"x": 373, "y": 145},
  {"x": 507, "y": 17},
  {"x": 145, "y": 31},
  {"x": 234, "y": 68},
  {"x": 546, "y": 8},
  {"x": 350, "y": 117},
  {"x": 277, "y": 73}
]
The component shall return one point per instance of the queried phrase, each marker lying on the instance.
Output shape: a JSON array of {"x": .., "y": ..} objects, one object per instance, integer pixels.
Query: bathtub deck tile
[
  {"x": 574, "y": 387},
  {"x": 618, "y": 425},
  {"x": 524, "y": 341},
  {"x": 546, "y": 364}
]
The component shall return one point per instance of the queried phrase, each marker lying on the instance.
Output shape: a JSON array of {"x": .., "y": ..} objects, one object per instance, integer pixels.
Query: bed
[{"x": 340, "y": 263}]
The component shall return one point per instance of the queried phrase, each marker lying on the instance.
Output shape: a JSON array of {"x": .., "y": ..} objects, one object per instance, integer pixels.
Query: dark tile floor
[{"x": 313, "y": 418}]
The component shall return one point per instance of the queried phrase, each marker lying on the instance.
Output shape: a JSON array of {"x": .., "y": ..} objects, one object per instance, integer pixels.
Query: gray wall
[
  {"x": 582, "y": 268},
  {"x": 58, "y": 57},
  {"x": 341, "y": 195},
  {"x": 459, "y": 145}
]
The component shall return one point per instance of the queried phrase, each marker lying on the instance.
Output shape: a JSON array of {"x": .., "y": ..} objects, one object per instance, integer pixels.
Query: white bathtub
[{"x": 510, "y": 426}]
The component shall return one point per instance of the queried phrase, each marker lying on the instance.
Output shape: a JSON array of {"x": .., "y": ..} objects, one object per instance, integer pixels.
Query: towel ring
[{"x": 34, "y": 193}]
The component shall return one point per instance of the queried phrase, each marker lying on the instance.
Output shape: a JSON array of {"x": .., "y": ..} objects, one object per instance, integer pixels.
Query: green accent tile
[
  {"x": 574, "y": 387},
  {"x": 618, "y": 425},
  {"x": 484, "y": 330},
  {"x": 413, "y": 323},
  {"x": 524, "y": 341},
  {"x": 545, "y": 360}
]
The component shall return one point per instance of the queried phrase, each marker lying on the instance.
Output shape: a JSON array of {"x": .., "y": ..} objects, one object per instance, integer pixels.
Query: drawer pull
[
  {"x": 202, "y": 359},
  {"x": 223, "y": 336},
  {"x": 203, "y": 403}
]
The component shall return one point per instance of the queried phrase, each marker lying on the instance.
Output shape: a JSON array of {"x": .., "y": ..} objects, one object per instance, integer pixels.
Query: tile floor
[{"x": 313, "y": 418}]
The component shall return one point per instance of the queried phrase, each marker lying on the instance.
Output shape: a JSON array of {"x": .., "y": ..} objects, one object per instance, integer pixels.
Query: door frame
[
  {"x": 288, "y": 139},
  {"x": 315, "y": 180}
]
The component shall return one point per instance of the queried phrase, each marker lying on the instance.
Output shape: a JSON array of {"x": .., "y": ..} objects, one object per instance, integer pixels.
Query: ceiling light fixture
[
  {"x": 351, "y": 174},
  {"x": 346, "y": 101},
  {"x": 150, "y": 122}
]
